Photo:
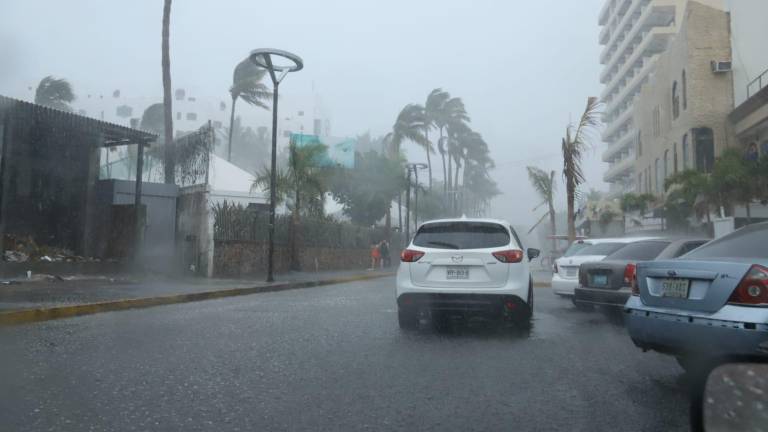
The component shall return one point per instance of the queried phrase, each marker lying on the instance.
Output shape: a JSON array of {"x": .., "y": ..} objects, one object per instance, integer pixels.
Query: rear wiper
[{"x": 444, "y": 244}]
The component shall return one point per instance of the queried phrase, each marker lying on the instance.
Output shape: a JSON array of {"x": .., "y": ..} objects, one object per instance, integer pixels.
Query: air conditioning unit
[{"x": 721, "y": 66}]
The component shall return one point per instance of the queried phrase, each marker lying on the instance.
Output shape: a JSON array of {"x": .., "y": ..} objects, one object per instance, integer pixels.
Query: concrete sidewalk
[{"x": 45, "y": 294}]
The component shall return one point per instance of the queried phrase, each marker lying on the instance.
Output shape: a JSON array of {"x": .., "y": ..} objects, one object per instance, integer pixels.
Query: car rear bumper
[
  {"x": 488, "y": 306},
  {"x": 563, "y": 286},
  {"x": 678, "y": 334},
  {"x": 603, "y": 297}
]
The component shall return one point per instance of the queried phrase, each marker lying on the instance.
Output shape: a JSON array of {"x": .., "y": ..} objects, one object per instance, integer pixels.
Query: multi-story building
[
  {"x": 680, "y": 116},
  {"x": 634, "y": 33}
]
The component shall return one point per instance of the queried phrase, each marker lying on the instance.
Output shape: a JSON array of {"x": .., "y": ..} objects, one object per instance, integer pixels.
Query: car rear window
[
  {"x": 462, "y": 235},
  {"x": 640, "y": 251},
  {"x": 748, "y": 242},
  {"x": 575, "y": 247},
  {"x": 600, "y": 249}
]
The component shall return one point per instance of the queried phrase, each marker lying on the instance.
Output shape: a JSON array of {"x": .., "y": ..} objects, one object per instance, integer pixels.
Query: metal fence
[{"x": 234, "y": 222}]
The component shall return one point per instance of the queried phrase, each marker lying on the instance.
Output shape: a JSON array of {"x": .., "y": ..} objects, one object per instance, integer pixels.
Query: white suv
[{"x": 466, "y": 268}]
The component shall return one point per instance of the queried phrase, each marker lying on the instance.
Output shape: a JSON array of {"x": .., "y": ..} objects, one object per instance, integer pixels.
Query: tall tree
[
  {"x": 574, "y": 145},
  {"x": 169, "y": 165},
  {"x": 55, "y": 93},
  {"x": 433, "y": 108},
  {"x": 544, "y": 184},
  {"x": 247, "y": 85},
  {"x": 451, "y": 119}
]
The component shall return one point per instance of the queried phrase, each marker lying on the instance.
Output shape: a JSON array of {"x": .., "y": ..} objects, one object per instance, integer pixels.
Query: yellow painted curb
[{"x": 58, "y": 312}]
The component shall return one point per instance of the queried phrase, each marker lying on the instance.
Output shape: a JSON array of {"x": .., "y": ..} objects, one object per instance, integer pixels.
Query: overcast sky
[{"x": 523, "y": 68}]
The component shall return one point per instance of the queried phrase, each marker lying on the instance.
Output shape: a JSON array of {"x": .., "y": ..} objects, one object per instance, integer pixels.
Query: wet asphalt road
[{"x": 331, "y": 358}]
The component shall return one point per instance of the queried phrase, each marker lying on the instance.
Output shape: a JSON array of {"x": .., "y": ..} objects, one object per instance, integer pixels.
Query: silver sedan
[{"x": 711, "y": 302}]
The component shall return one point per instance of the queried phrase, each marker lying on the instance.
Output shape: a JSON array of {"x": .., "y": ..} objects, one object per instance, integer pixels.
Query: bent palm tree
[
  {"x": 545, "y": 186},
  {"x": 247, "y": 85},
  {"x": 574, "y": 145},
  {"x": 54, "y": 93},
  {"x": 452, "y": 118}
]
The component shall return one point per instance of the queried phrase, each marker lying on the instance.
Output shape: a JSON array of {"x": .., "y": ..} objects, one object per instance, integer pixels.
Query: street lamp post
[
  {"x": 412, "y": 167},
  {"x": 264, "y": 58}
]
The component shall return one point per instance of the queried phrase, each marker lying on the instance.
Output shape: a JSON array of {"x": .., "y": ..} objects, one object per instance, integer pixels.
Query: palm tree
[
  {"x": 545, "y": 186},
  {"x": 574, "y": 144},
  {"x": 432, "y": 109},
  {"x": 451, "y": 119},
  {"x": 303, "y": 181},
  {"x": 247, "y": 85},
  {"x": 169, "y": 167},
  {"x": 409, "y": 126},
  {"x": 54, "y": 93}
]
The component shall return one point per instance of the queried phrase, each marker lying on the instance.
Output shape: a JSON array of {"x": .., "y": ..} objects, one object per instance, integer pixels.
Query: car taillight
[
  {"x": 410, "y": 255},
  {"x": 509, "y": 256},
  {"x": 753, "y": 289},
  {"x": 629, "y": 274}
]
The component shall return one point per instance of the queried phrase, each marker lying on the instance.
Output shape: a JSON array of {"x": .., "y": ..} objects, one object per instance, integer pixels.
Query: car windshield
[
  {"x": 462, "y": 235},
  {"x": 600, "y": 249},
  {"x": 640, "y": 251},
  {"x": 575, "y": 247},
  {"x": 749, "y": 242}
]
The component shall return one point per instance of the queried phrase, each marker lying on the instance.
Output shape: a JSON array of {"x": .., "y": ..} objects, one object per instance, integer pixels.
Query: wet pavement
[{"x": 331, "y": 358}]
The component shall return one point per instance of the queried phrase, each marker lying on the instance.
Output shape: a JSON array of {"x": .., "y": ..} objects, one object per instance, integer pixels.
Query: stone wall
[{"x": 235, "y": 258}]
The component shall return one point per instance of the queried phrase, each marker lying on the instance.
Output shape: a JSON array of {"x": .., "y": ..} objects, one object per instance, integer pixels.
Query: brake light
[
  {"x": 509, "y": 256},
  {"x": 629, "y": 274},
  {"x": 753, "y": 289},
  {"x": 410, "y": 255}
]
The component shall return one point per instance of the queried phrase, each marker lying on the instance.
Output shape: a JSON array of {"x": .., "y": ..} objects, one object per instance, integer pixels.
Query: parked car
[
  {"x": 465, "y": 268},
  {"x": 710, "y": 302},
  {"x": 566, "y": 269},
  {"x": 608, "y": 282}
]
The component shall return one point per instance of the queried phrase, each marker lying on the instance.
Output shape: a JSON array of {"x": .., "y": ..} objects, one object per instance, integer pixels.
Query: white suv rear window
[{"x": 462, "y": 235}]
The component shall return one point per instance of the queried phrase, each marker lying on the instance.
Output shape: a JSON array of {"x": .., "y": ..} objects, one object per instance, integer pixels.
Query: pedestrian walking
[
  {"x": 375, "y": 256},
  {"x": 386, "y": 258}
]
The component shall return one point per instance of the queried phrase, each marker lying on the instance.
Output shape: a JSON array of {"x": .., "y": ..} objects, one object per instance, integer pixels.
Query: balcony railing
[{"x": 757, "y": 84}]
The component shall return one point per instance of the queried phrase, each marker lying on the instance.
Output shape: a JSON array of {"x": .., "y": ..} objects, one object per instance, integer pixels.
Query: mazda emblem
[
  {"x": 671, "y": 273},
  {"x": 457, "y": 258}
]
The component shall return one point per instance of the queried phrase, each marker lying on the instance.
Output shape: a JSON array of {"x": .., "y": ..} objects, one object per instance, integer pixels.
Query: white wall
[{"x": 749, "y": 36}]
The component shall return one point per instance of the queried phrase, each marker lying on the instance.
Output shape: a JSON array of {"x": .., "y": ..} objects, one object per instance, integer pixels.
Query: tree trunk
[
  {"x": 295, "y": 222},
  {"x": 170, "y": 168},
  {"x": 571, "y": 192},
  {"x": 450, "y": 170},
  {"x": 442, "y": 155},
  {"x": 552, "y": 224},
  {"x": 749, "y": 212},
  {"x": 429, "y": 159},
  {"x": 231, "y": 129}
]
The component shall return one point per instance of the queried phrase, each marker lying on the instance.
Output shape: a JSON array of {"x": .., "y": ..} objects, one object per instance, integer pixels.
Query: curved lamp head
[{"x": 267, "y": 58}]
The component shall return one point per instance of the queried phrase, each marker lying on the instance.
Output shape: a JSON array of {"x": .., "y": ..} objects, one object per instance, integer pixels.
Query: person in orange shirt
[{"x": 375, "y": 256}]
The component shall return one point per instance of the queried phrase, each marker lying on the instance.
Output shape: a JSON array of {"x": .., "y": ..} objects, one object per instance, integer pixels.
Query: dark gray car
[{"x": 608, "y": 282}]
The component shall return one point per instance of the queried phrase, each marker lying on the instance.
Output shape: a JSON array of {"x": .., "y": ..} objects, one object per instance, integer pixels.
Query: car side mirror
[
  {"x": 735, "y": 397},
  {"x": 533, "y": 253}
]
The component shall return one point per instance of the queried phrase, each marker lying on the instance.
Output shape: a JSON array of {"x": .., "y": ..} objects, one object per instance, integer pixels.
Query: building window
[
  {"x": 659, "y": 178},
  {"x": 656, "y": 122},
  {"x": 180, "y": 94},
  {"x": 191, "y": 116},
  {"x": 685, "y": 91},
  {"x": 685, "y": 152},
  {"x": 675, "y": 102},
  {"x": 178, "y": 115},
  {"x": 704, "y": 149},
  {"x": 674, "y": 158}
]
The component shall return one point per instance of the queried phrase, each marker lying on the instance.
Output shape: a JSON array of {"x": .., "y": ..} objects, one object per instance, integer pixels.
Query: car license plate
[
  {"x": 457, "y": 273},
  {"x": 677, "y": 288},
  {"x": 600, "y": 280},
  {"x": 571, "y": 271}
]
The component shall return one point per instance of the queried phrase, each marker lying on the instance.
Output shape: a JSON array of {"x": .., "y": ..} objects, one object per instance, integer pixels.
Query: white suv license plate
[
  {"x": 457, "y": 273},
  {"x": 676, "y": 288}
]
